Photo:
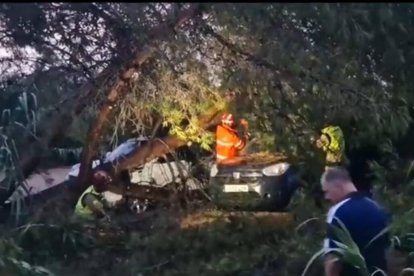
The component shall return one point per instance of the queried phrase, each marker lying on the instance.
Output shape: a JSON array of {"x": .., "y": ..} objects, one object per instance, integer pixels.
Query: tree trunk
[
  {"x": 119, "y": 88},
  {"x": 160, "y": 146},
  {"x": 58, "y": 198},
  {"x": 52, "y": 135}
]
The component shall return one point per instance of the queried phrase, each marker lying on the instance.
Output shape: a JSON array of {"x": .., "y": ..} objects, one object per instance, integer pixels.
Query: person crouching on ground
[{"x": 90, "y": 204}]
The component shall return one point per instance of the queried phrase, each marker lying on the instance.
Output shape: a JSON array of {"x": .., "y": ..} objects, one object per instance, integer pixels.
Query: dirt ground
[{"x": 205, "y": 217}]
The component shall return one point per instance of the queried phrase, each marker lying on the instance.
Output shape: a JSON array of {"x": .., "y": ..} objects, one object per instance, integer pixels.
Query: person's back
[
  {"x": 225, "y": 143},
  {"x": 365, "y": 220},
  {"x": 228, "y": 142}
]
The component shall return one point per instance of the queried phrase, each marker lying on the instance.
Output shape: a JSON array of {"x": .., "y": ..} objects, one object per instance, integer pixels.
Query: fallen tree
[
  {"x": 160, "y": 146},
  {"x": 52, "y": 135},
  {"x": 120, "y": 88}
]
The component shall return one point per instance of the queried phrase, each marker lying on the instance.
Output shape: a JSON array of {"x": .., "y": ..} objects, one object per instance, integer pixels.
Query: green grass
[
  {"x": 211, "y": 242},
  {"x": 157, "y": 245}
]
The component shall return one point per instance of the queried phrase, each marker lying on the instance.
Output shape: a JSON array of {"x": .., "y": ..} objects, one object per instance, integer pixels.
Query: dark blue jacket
[{"x": 364, "y": 219}]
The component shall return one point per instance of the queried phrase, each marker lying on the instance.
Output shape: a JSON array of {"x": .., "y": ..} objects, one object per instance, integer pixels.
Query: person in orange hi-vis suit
[{"x": 228, "y": 141}]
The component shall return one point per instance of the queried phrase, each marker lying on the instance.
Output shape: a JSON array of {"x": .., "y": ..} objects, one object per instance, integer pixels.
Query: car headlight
[{"x": 276, "y": 170}]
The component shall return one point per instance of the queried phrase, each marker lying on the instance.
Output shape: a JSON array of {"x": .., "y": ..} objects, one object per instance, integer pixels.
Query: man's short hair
[{"x": 335, "y": 175}]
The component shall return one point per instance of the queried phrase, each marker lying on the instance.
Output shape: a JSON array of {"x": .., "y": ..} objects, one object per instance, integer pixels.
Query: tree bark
[
  {"x": 160, "y": 146},
  {"x": 119, "y": 88}
]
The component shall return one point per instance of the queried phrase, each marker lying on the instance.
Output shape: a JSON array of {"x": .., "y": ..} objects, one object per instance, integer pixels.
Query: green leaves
[
  {"x": 11, "y": 262},
  {"x": 347, "y": 250}
]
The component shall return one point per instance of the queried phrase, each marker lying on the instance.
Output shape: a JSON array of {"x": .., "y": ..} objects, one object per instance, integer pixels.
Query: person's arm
[
  {"x": 94, "y": 204},
  {"x": 332, "y": 265},
  {"x": 245, "y": 124},
  {"x": 323, "y": 142},
  {"x": 240, "y": 142}
]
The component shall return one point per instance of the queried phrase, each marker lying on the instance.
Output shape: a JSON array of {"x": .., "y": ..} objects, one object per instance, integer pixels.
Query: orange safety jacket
[{"x": 228, "y": 143}]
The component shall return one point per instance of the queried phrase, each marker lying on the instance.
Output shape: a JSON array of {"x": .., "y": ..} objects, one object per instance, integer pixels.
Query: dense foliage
[{"x": 293, "y": 67}]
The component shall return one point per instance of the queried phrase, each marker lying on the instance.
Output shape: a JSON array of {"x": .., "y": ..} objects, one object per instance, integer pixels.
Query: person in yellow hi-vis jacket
[
  {"x": 90, "y": 204},
  {"x": 332, "y": 143}
]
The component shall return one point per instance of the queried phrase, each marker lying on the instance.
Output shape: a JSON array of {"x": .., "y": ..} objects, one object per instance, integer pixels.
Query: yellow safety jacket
[
  {"x": 335, "y": 150},
  {"x": 83, "y": 211}
]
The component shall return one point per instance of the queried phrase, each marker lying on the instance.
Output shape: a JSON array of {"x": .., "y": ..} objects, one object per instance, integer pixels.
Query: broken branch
[{"x": 118, "y": 89}]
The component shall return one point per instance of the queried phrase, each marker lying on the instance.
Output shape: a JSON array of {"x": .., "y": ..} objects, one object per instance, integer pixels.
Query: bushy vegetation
[{"x": 292, "y": 68}]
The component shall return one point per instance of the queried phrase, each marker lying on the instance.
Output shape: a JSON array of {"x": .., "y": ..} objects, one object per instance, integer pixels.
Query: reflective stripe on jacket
[
  {"x": 83, "y": 211},
  {"x": 228, "y": 143}
]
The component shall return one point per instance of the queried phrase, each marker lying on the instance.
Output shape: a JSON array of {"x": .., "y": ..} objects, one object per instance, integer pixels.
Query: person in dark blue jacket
[{"x": 364, "y": 219}]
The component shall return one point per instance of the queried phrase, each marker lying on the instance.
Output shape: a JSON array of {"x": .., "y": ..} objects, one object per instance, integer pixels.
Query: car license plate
[{"x": 236, "y": 188}]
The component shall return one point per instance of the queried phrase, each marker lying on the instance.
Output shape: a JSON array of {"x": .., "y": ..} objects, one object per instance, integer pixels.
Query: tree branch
[
  {"x": 285, "y": 75},
  {"x": 158, "y": 147},
  {"x": 118, "y": 89}
]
